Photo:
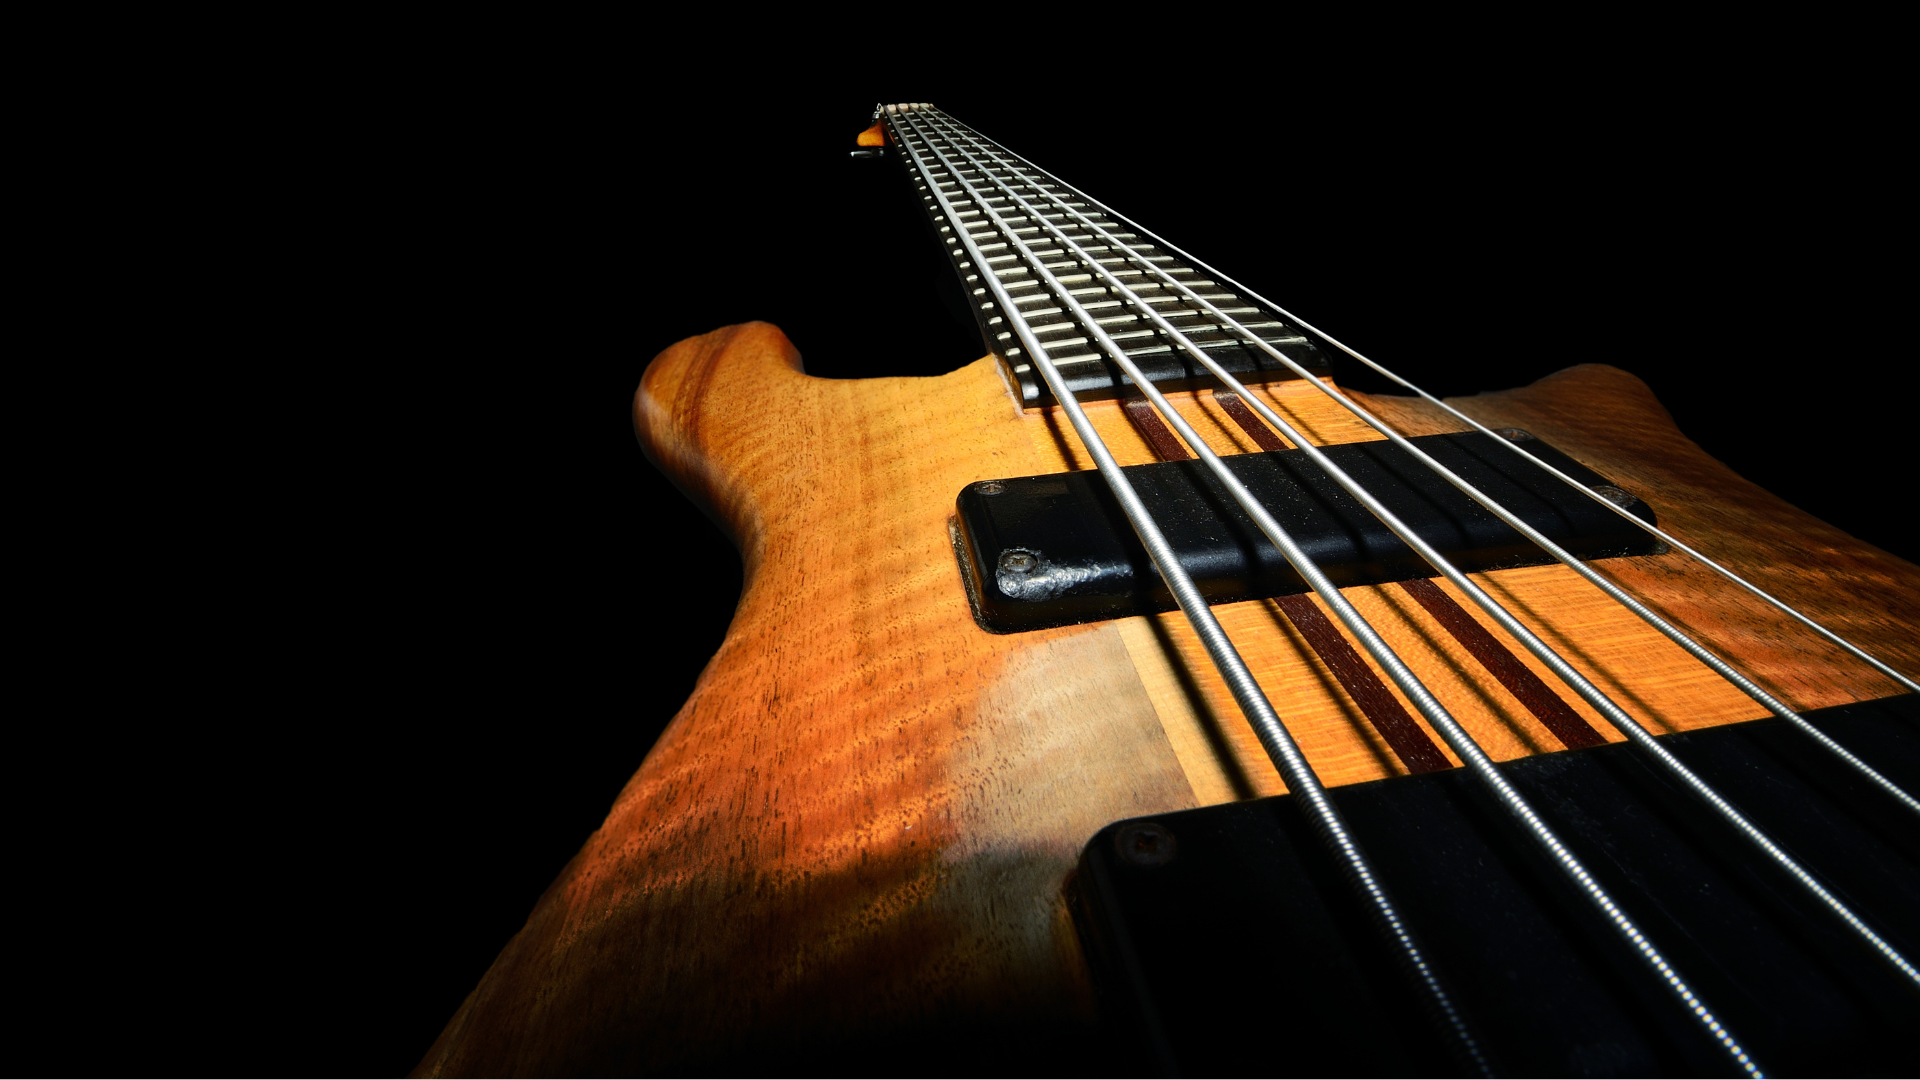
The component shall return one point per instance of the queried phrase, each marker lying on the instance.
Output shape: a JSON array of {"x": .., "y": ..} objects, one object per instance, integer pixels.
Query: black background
[{"x": 466, "y": 604}]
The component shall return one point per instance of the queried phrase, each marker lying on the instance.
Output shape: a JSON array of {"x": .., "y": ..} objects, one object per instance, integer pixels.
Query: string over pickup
[{"x": 1044, "y": 551}]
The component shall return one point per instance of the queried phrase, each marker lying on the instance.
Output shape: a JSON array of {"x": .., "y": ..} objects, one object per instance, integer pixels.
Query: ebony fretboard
[{"x": 1071, "y": 347}]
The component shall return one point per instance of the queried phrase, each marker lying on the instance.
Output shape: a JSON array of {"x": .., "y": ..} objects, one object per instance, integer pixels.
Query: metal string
[
  {"x": 1649, "y": 527},
  {"x": 1672, "y": 633},
  {"x": 1266, "y": 723},
  {"x": 1463, "y": 744},
  {"x": 1594, "y": 696}
]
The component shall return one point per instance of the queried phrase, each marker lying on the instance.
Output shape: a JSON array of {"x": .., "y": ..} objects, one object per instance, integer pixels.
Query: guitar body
[{"x": 855, "y": 839}]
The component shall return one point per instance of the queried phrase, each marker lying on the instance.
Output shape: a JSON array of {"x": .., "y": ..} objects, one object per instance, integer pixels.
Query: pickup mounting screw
[
  {"x": 1144, "y": 843},
  {"x": 1017, "y": 562},
  {"x": 992, "y": 487},
  {"x": 1615, "y": 496},
  {"x": 1514, "y": 434}
]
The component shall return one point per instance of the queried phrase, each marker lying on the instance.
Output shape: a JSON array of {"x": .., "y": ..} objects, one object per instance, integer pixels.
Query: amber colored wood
[
  {"x": 1610, "y": 421},
  {"x": 873, "y": 136},
  {"x": 1607, "y": 419},
  {"x": 857, "y": 833},
  {"x": 860, "y": 823}
]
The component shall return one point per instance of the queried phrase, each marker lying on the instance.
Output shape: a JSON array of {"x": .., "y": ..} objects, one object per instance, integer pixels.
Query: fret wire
[
  {"x": 1647, "y": 526},
  {"x": 1594, "y": 696},
  {"x": 1463, "y": 744},
  {"x": 1024, "y": 224},
  {"x": 1620, "y": 596},
  {"x": 1265, "y": 721}
]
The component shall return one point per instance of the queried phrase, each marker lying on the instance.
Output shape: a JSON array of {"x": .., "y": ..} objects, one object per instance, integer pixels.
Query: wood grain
[
  {"x": 1608, "y": 420},
  {"x": 861, "y": 821},
  {"x": 856, "y": 834}
]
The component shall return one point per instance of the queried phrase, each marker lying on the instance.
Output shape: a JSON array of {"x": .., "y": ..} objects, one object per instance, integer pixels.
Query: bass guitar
[{"x": 1135, "y": 698}]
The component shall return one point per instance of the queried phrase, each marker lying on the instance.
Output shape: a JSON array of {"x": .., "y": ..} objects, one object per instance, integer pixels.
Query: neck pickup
[{"x": 1044, "y": 551}]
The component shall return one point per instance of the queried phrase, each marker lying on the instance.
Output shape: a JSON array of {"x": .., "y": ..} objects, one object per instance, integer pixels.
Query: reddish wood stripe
[
  {"x": 1568, "y": 726},
  {"x": 1409, "y": 743},
  {"x": 1165, "y": 443},
  {"x": 1256, "y": 428}
]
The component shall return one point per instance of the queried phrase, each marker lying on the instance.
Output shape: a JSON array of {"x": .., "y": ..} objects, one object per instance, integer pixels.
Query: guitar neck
[{"x": 930, "y": 164}]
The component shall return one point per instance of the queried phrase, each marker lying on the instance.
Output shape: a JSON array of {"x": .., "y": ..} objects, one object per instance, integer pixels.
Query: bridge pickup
[
  {"x": 1216, "y": 935},
  {"x": 1042, "y": 551}
]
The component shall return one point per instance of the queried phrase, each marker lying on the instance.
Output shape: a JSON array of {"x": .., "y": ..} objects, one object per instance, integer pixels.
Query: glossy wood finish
[{"x": 856, "y": 833}]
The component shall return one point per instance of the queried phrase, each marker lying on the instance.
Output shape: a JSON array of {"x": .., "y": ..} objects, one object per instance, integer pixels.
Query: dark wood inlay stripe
[
  {"x": 1567, "y": 726},
  {"x": 1410, "y": 744},
  {"x": 1165, "y": 443},
  {"x": 1265, "y": 437}
]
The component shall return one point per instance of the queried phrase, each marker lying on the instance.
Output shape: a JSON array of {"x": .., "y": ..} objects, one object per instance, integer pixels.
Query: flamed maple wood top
[{"x": 856, "y": 832}]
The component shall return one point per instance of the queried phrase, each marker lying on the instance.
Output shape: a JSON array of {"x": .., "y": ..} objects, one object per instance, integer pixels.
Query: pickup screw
[
  {"x": 1513, "y": 434},
  {"x": 992, "y": 487},
  {"x": 1016, "y": 562},
  {"x": 1615, "y": 496},
  {"x": 1144, "y": 843}
]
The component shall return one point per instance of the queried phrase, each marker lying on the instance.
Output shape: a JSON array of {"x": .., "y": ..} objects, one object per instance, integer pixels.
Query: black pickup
[
  {"x": 1225, "y": 941},
  {"x": 1043, "y": 551}
]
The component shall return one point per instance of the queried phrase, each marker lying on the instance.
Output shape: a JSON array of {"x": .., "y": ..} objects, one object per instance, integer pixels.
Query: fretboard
[{"x": 983, "y": 166}]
